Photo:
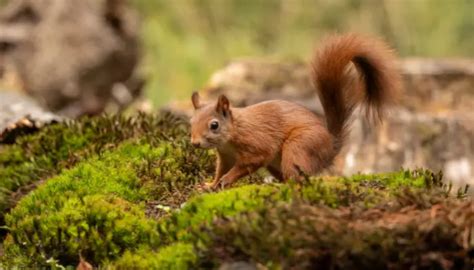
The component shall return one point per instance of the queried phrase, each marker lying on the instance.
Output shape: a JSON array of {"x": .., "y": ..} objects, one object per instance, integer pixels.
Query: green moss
[
  {"x": 184, "y": 224},
  {"x": 413, "y": 178},
  {"x": 95, "y": 226},
  {"x": 304, "y": 236},
  {"x": 364, "y": 219},
  {"x": 363, "y": 190},
  {"x": 53, "y": 148},
  {"x": 249, "y": 222},
  {"x": 176, "y": 256},
  {"x": 369, "y": 189},
  {"x": 112, "y": 173},
  {"x": 56, "y": 220}
]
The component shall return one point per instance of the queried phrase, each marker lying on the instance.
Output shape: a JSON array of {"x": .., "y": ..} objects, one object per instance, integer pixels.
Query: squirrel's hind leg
[{"x": 306, "y": 152}]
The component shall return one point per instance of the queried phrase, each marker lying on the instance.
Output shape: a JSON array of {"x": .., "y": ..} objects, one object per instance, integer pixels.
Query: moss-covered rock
[
  {"x": 364, "y": 190},
  {"x": 59, "y": 220},
  {"x": 303, "y": 236},
  {"x": 44, "y": 154},
  {"x": 206, "y": 220},
  {"x": 98, "y": 227},
  {"x": 186, "y": 224}
]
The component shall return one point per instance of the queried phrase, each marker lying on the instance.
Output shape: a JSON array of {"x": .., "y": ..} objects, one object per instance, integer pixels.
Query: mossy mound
[
  {"x": 56, "y": 147},
  {"x": 127, "y": 195},
  {"x": 303, "y": 236},
  {"x": 58, "y": 221},
  {"x": 410, "y": 219}
]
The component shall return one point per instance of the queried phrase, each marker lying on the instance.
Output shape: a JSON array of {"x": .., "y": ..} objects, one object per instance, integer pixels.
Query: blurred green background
[{"x": 185, "y": 41}]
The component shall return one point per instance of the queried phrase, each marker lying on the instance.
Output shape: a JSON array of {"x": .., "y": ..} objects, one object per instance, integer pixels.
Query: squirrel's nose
[{"x": 196, "y": 143}]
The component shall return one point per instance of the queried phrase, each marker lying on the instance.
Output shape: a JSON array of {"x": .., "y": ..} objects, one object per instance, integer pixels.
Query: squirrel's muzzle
[{"x": 195, "y": 142}]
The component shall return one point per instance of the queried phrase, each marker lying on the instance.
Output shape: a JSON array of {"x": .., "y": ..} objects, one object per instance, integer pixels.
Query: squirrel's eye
[{"x": 214, "y": 125}]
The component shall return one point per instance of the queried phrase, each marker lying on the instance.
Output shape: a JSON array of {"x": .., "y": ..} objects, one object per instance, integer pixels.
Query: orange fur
[{"x": 287, "y": 138}]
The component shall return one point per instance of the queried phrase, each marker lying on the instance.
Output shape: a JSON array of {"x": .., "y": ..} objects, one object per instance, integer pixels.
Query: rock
[
  {"x": 431, "y": 85},
  {"x": 73, "y": 56},
  {"x": 411, "y": 140},
  {"x": 21, "y": 114},
  {"x": 438, "y": 85},
  {"x": 433, "y": 127}
]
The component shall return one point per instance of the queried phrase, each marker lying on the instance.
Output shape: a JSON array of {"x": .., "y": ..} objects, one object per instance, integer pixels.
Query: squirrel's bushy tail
[{"x": 376, "y": 85}]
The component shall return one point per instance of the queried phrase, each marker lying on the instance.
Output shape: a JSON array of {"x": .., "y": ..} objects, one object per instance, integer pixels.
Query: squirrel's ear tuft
[
  {"x": 223, "y": 106},
  {"x": 195, "y": 100}
]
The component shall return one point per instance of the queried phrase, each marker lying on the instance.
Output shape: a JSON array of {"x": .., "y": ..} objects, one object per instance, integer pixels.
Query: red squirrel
[{"x": 288, "y": 139}]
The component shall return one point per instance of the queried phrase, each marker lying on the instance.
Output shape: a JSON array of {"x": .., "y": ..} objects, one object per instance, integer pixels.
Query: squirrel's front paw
[
  {"x": 204, "y": 187},
  {"x": 215, "y": 185},
  {"x": 209, "y": 185},
  {"x": 223, "y": 183}
]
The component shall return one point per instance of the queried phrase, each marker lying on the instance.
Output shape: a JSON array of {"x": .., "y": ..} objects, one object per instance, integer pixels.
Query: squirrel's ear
[
  {"x": 195, "y": 100},
  {"x": 223, "y": 106}
]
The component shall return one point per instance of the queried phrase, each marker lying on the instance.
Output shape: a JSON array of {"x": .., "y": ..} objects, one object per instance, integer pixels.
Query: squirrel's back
[{"x": 273, "y": 119}]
